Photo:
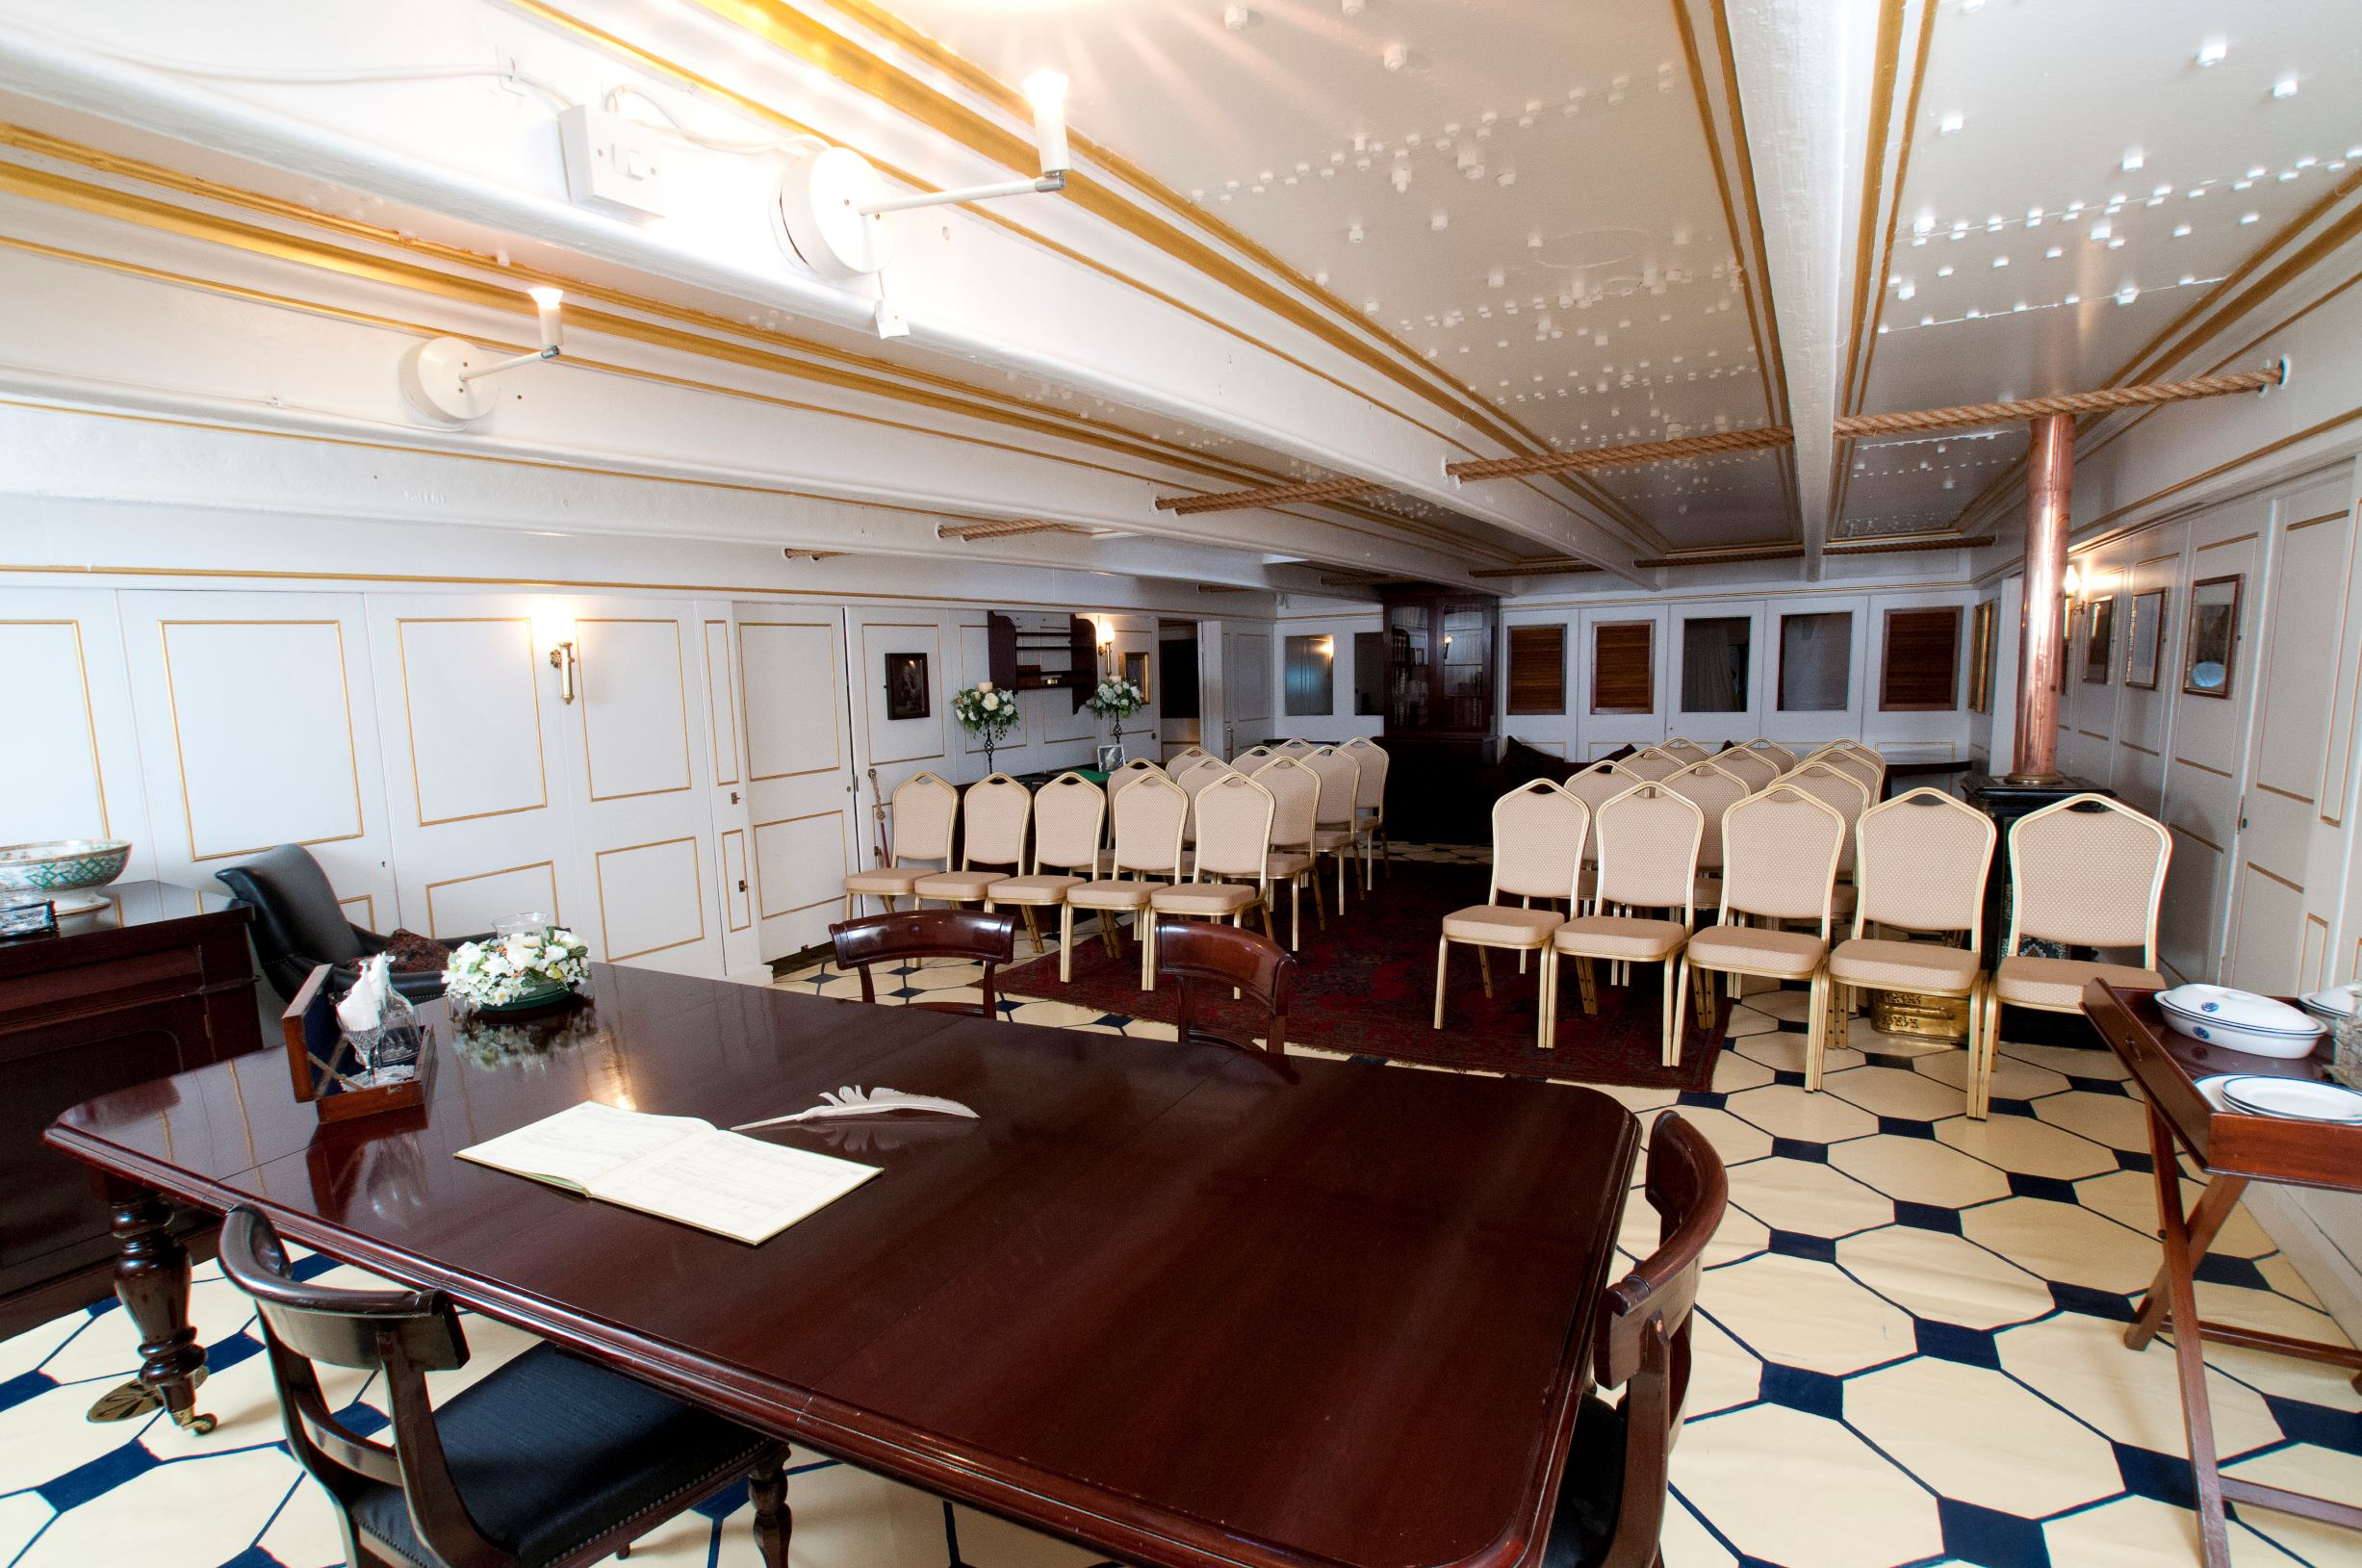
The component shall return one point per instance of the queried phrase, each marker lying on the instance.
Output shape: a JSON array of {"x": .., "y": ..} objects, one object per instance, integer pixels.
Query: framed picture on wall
[
  {"x": 1136, "y": 671},
  {"x": 2099, "y": 643},
  {"x": 2144, "y": 640},
  {"x": 1982, "y": 652},
  {"x": 2209, "y": 659},
  {"x": 907, "y": 696}
]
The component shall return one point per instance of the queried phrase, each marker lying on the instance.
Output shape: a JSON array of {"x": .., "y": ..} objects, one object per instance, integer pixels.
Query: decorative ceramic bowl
[
  {"x": 2336, "y": 1003},
  {"x": 2240, "y": 1021},
  {"x": 62, "y": 863}
]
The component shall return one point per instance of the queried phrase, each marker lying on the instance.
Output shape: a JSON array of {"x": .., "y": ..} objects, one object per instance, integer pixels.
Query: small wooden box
[{"x": 320, "y": 1062}]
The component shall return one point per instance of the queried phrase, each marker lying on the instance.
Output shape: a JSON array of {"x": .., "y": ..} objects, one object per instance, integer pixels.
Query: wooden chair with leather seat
[
  {"x": 1921, "y": 861},
  {"x": 923, "y": 809},
  {"x": 1611, "y": 1510},
  {"x": 904, "y": 936},
  {"x": 299, "y": 925},
  {"x": 1242, "y": 961},
  {"x": 1647, "y": 848},
  {"x": 1538, "y": 836},
  {"x": 550, "y": 1461},
  {"x": 2087, "y": 871},
  {"x": 1779, "y": 863}
]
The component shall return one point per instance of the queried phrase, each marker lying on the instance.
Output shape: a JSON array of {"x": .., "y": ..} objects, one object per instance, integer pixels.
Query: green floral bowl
[{"x": 62, "y": 863}]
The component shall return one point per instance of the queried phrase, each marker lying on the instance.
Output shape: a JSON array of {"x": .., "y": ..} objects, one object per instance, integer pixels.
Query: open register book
[{"x": 676, "y": 1167}]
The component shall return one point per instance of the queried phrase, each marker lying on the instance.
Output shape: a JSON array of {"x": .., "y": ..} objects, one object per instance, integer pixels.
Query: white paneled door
[
  {"x": 475, "y": 763},
  {"x": 640, "y": 767},
  {"x": 801, "y": 831},
  {"x": 1246, "y": 688},
  {"x": 257, "y": 727}
]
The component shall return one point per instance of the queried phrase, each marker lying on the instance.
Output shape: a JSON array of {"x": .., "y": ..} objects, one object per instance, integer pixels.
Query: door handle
[
  {"x": 733, "y": 797},
  {"x": 742, "y": 885}
]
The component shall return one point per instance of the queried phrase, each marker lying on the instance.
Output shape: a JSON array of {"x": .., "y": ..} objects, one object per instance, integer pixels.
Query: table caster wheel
[{"x": 191, "y": 1421}]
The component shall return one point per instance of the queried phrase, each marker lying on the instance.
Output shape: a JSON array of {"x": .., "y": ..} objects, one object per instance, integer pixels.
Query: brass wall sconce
[{"x": 561, "y": 660}]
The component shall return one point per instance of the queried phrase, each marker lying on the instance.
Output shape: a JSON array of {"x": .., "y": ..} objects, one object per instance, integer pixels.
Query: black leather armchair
[{"x": 299, "y": 923}]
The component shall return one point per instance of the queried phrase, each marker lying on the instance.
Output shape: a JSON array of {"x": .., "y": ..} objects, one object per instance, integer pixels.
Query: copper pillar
[{"x": 2050, "y": 475}]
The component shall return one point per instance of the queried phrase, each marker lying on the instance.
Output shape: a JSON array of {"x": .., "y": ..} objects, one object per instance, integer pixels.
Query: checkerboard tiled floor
[{"x": 1908, "y": 1353}]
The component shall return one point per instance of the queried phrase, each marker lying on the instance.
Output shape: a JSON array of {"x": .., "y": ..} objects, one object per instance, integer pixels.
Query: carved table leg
[
  {"x": 767, "y": 1487},
  {"x": 151, "y": 1279}
]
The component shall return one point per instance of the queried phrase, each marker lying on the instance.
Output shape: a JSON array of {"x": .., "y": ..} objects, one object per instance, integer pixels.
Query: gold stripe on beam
[
  {"x": 1795, "y": 552},
  {"x": 1714, "y": 442},
  {"x": 1234, "y": 501},
  {"x": 1543, "y": 566}
]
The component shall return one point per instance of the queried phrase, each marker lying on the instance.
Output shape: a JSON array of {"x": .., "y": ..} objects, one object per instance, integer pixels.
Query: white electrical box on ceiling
[{"x": 613, "y": 165}]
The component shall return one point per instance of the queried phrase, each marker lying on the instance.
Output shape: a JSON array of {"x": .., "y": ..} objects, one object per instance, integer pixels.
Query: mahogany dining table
[{"x": 1184, "y": 1304}]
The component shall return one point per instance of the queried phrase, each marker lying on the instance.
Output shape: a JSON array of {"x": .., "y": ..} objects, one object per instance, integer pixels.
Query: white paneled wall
[{"x": 1342, "y": 626}]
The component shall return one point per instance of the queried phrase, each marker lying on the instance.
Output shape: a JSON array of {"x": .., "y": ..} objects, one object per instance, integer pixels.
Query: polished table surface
[{"x": 1185, "y": 1304}]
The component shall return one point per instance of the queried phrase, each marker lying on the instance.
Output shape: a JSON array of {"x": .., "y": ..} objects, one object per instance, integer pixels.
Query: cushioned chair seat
[
  {"x": 1113, "y": 896},
  {"x": 1282, "y": 864},
  {"x": 1041, "y": 890},
  {"x": 1327, "y": 839},
  {"x": 1786, "y": 955},
  {"x": 548, "y": 1451},
  {"x": 2056, "y": 984},
  {"x": 1582, "y": 1523},
  {"x": 1202, "y": 898},
  {"x": 1615, "y": 937},
  {"x": 962, "y": 884},
  {"x": 1903, "y": 965},
  {"x": 1502, "y": 925},
  {"x": 891, "y": 880}
]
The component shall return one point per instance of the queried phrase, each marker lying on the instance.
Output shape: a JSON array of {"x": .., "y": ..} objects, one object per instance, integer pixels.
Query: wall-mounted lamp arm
[
  {"x": 511, "y": 363},
  {"x": 1056, "y": 180}
]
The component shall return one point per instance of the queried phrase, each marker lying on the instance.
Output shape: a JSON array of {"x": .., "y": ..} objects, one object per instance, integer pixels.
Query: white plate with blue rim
[
  {"x": 2294, "y": 1099},
  {"x": 2240, "y": 1021},
  {"x": 2335, "y": 1005}
]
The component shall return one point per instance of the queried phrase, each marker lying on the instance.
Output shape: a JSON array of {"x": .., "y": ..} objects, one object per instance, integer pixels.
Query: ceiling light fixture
[
  {"x": 2213, "y": 51},
  {"x": 2285, "y": 86},
  {"x": 442, "y": 376}
]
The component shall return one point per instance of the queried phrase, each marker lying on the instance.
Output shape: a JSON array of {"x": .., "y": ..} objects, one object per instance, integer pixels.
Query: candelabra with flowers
[
  {"x": 1116, "y": 699},
  {"x": 985, "y": 712}
]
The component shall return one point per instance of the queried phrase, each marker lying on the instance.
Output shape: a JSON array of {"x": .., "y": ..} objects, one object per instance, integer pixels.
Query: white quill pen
[{"x": 849, "y": 1102}]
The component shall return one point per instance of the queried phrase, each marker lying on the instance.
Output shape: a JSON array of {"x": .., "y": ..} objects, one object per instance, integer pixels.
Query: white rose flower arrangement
[
  {"x": 1116, "y": 699},
  {"x": 987, "y": 712},
  {"x": 517, "y": 966}
]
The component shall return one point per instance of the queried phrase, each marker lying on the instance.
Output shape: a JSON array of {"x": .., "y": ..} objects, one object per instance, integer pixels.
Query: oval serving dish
[{"x": 2240, "y": 1021}]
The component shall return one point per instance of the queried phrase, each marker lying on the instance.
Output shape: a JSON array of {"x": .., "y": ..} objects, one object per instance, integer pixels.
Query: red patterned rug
[{"x": 1366, "y": 986}]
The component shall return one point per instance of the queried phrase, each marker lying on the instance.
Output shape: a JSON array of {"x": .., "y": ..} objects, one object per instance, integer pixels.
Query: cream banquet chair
[
  {"x": 1295, "y": 800},
  {"x": 1846, "y": 795},
  {"x": 1253, "y": 758},
  {"x": 1647, "y": 840},
  {"x": 1778, "y": 862},
  {"x": 1866, "y": 767},
  {"x": 2084, "y": 872},
  {"x": 1713, "y": 789},
  {"x": 1751, "y": 768},
  {"x": 1232, "y": 875},
  {"x": 1185, "y": 757},
  {"x": 1687, "y": 751},
  {"x": 923, "y": 809},
  {"x": 1538, "y": 834},
  {"x": 997, "y": 809},
  {"x": 1193, "y": 777},
  {"x": 1295, "y": 746},
  {"x": 1069, "y": 812},
  {"x": 1653, "y": 763},
  {"x": 1595, "y": 786},
  {"x": 1920, "y": 864},
  {"x": 1369, "y": 806},
  {"x": 1772, "y": 750},
  {"x": 1334, "y": 833},
  {"x": 1149, "y": 813},
  {"x": 1128, "y": 771}
]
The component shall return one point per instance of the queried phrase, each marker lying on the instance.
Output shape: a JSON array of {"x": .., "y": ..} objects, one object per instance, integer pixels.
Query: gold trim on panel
[
  {"x": 2275, "y": 876},
  {"x": 2202, "y": 767},
  {"x": 2225, "y": 544},
  {"x": 2284, "y": 794},
  {"x": 713, "y": 727},
  {"x": 550, "y": 867},
  {"x": 845, "y": 847},
  {"x": 681, "y": 670},
  {"x": 837, "y": 733},
  {"x": 370, "y": 899},
  {"x": 2333, "y": 779},
  {"x": 2136, "y": 746},
  {"x": 89, "y": 716},
  {"x": 599, "y": 875},
  {"x": 2194, "y": 835},
  {"x": 2313, "y": 956},
  {"x": 352, "y": 755},
  {"x": 1886, "y": 66},
  {"x": 402, "y": 656},
  {"x": 728, "y": 924}
]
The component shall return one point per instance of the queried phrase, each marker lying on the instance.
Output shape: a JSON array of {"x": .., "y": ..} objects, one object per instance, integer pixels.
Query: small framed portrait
[
  {"x": 2210, "y": 659},
  {"x": 2144, "y": 640},
  {"x": 1109, "y": 759},
  {"x": 2099, "y": 644},
  {"x": 1983, "y": 651},
  {"x": 907, "y": 695}
]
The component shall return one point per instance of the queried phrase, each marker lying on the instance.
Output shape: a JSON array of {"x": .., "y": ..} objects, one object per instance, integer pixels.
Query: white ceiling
[{"x": 1526, "y": 197}]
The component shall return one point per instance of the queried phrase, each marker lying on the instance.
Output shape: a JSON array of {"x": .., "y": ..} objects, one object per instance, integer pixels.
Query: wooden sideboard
[{"x": 158, "y": 982}]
